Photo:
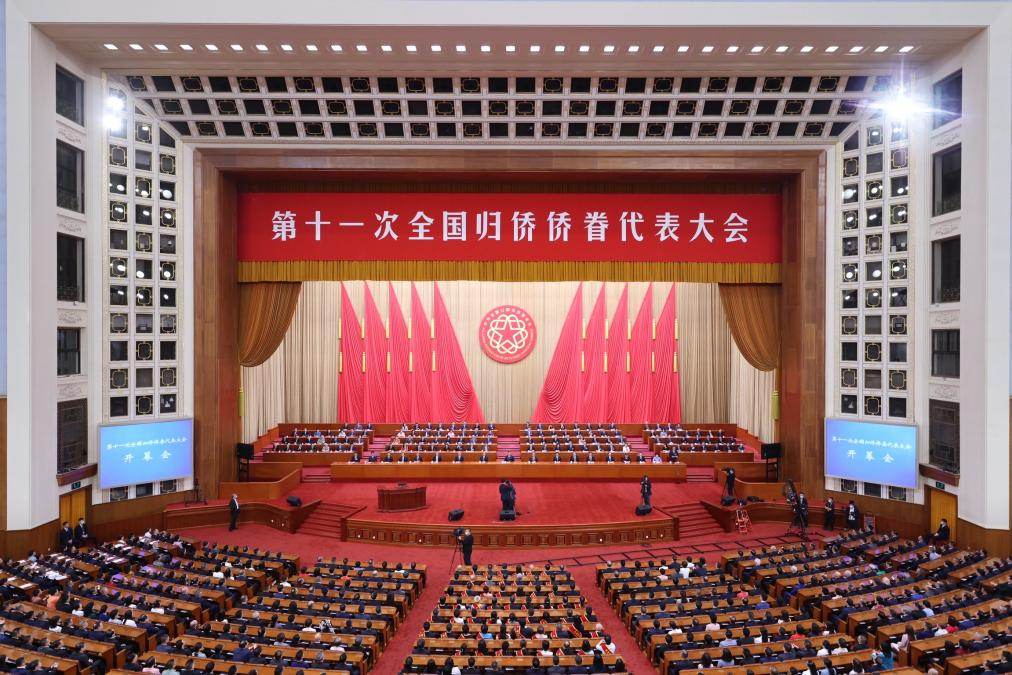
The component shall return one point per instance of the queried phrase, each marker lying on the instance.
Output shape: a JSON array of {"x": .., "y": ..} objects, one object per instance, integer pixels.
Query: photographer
[
  {"x": 466, "y": 541},
  {"x": 729, "y": 481},
  {"x": 802, "y": 510}
]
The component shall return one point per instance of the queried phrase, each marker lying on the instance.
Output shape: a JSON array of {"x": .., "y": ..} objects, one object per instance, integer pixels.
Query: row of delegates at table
[
  {"x": 346, "y": 432},
  {"x": 584, "y": 457}
]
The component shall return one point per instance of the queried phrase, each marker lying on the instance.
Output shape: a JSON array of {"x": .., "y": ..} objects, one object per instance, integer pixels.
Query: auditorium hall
[{"x": 505, "y": 337}]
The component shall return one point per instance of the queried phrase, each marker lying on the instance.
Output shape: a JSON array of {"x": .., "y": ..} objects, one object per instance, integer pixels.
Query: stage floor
[{"x": 539, "y": 502}]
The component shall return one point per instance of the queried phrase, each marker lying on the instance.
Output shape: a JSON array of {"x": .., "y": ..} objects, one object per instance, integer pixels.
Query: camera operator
[
  {"x": 802, "y": 510},
  {"x": 466, "y": 541},
  {"x": 729, "y": 481}
]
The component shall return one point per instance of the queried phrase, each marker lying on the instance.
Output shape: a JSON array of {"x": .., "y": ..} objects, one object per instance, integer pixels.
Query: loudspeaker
[
  {"x": 244, "y": 450},
  {"x": 507, "y": 514},
  {"x": 771, "y": 450},
  {"x": 455, "y": 514},
  {"x": 294, "y": 501},
  {"x": 643, "y": 509},
  {"x": 727, "y": 501}
]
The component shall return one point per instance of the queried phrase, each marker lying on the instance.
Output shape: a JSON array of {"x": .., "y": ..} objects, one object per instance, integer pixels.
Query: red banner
[{"x": 727, "y": 228}]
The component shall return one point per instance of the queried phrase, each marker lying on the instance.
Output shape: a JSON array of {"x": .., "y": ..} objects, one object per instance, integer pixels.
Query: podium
[{"x": 401, "y": 498}]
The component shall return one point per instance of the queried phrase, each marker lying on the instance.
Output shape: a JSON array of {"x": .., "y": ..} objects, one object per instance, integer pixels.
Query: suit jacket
[
  {"x": 233, "y": 506},
  {"x": 66, "y": 537},
  {"x": 81, "y": 532}
]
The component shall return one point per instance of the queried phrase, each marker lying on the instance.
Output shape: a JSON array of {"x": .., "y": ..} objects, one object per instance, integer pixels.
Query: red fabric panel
[
  {"x": 398, "y": 388},
  {"x": 453, "y": 395},
  {"x": 665, "y": 386},
  {"x": 560, "y": 397},
  {"x": 618, "y": 347},
  {"x": 351, "y": 383},
  {"x": 675, "y": 410},
  {"x": 421, "y": 346},
  {"x": 375, "y": 409},
  {"x": 640, "y": 349},
  {"x": 594, "y": 378}
]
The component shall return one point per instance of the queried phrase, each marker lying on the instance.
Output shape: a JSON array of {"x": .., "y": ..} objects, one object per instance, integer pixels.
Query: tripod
[{"x": 799, "y": 523}]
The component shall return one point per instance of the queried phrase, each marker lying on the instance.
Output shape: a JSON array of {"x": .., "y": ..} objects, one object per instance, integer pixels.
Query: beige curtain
[
  {"x": 265, "y": 310},
  {"x": 753, "y": 314},
  {"x": 750, "y": 396},
  {"x": 704, "y": 346}
]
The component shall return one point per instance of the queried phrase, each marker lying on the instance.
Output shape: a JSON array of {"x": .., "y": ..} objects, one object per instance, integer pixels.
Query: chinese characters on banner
[{"x": 738, "y": 228}]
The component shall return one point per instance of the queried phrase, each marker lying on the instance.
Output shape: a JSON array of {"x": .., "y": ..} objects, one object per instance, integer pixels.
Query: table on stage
[{"x": 401, "y": 498}]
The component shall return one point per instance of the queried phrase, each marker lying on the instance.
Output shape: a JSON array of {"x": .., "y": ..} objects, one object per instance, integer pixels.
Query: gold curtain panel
[
  {"x": 265, "y": 310},
  {"x": 753, "y": 314}
]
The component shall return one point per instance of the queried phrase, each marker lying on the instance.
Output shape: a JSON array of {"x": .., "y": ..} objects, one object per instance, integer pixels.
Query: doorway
[
  {"x": 942, "y": 504},
  {"x": 73, "y": 505}
]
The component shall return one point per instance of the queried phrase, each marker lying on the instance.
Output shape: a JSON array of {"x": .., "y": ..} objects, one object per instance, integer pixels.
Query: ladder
[{"x": 742, "y": 522}]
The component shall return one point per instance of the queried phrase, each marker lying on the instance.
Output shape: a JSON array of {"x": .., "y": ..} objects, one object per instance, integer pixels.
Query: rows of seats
[
  {"x": 585, "y": 437},
  {"x": 161, "y": 603},
  {"x": 444, "y": 438},
  {"x": 501, "y": 619},
  {"x": 852, "y": 603},
  {"x": 345, "y": 438},
  {"x": 667, "y": 437}
]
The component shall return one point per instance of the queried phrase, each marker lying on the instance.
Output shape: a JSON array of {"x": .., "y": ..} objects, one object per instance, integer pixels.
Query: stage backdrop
[{"x": 300, "y": 381}]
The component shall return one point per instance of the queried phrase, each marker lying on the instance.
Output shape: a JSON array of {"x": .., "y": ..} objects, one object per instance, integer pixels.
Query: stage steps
[
  {"x": 693, "y": 520},
  {"x": 327, "y": 520},
  {"x": 699, "y": 474},
  {"x": 316, "y": 474}
]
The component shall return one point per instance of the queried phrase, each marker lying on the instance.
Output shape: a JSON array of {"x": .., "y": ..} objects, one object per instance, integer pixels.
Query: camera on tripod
[{"x": 458, "y": 531}]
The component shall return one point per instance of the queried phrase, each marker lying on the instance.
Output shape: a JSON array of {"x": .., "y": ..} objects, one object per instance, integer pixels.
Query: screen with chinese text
[
  {"x": 144, "y": 453},
  {"x": 871, "y": 452}
]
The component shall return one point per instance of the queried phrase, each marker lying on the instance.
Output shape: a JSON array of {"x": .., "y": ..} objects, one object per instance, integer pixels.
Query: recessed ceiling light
[
  {"x": 160, "y": 47},
  {"x": 286, "y": 48},
  {"x": 608, "y": 49},
  {"x": 361, "y": 48},
  {"x": 311, "y": 48},
  {"x": 211, "y": 48},
  {"x": 732, "y": 49},
  {"x": 386, "y": 48},
  {"x": 136, "y": 47},
  {"x": 185, "y": 47},
  {"x": 511, "y": 48},
  {"x": 632, "y": 49},
  {"x": 782, "y": 48},
  {"x": 436, "y": 48},
  {"x": 881, "y": 48},
  {"x": 584, "y": 49},
  {"x": 757, "y": 49},
  {"x": 236, "y": 48},
  {"x": 485, "y": 49},
  {"x": 831, "y": 48},
  {"x": 906, "y": 49},
  {"x": 707, "y": 49},
  {"x": 110, "y": 46},
  {"x": 560, "y": 49},
  {"x": 411, "y": 48},
  {"x": 461, "y": 49},
  {"x": 535, "y": 49},
  {"x": 658, "y": 49},
  {"x": 683, "y": 48},
  {"x": 856, "y": 49},
  {"x": 336, "y": 48},
  {"x": 261, "y": 48},
  {"x": 806, "y": 49}
]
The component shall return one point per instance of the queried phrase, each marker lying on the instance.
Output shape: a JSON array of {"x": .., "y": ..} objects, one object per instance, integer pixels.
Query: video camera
[{"x": 458, "y": 531}]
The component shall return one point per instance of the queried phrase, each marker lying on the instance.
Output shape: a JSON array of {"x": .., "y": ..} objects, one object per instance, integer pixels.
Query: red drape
[
  {"x": 594, "y": 378},
  {"x": 665, "y": 398},
  {"x": 398, "y": 389},
  {"x": 453, "y": 395},
  {"x": 618, "y": 348},
  {"x": 351, "y": 382},
  {"x": 375, "y": 409},
  {"x": 560, "y": 396},
  {"x": 640, "y": 348},
  {"x": 420, "y": 366}
]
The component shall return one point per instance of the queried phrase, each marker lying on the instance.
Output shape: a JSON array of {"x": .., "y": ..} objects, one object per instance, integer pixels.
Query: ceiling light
[
  {"x": 436, "y": 48},
  {"x": 856, "y": 49},
  {"x": 411, "y": 48},
  {"x": 608, "y": 49},
  {"x": 236, "y": 48},
  {"x": 361, "y": 49},
  {"x": 757, "y": 49},
  {"x": 485, "y": 49},
  {"x": 831, "y": 48},
  {"x": 461, "y": 49},
  {"x": 261, "y": 48},
  {"x": 781, "y": 49},
  {"x": 584, "y": 49},
  {"x": 114, "y": 103},
  {"x": 732, "y": 49},
  {"x": 185, "y": 47},
  {"x": 211, "y": 48},
  {"x": 535, "y": 49},
  {"x": 386, "y": 48},
  {"x": 900, "y": 107},
  {"x": 511, "y": 48},
  {"x": 160, "y": 47},
  {"x": 336, "y": 48},
  {"x": 136, "y": 47},
  {"x": 110, "y": 46},
  {"x": 560, "y": 48},
  {"x": 632, "y": 49},
  {"x": 286, "y": 48},
  {"x": 658, "y": 49},
  {"x": 113, "y": 122},
  {"x": 707, "y": 49},
  {"x": 881, "y": 48},
  {"x": 906, "y": 49},
  {"x": 806, "y": 49},
  {"x": 311, "y": 48},
  {"x": 683, "y": 48}
]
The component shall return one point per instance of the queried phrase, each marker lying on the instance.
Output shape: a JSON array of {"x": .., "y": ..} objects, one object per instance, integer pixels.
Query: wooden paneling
[
  {"x": 74, "y": 475},
  {"x": 130, "y": 516},
  {"x": 942, "y": 504},
  {"x": 17, "y": 543},
  {"x": 765, "y": 491},
  {"x": 74, "y": 505},
  {"x": 910, "y": 520},
  {"x": 276, "y": 516},
  {"x": 515, "y": 470},
  {"x": 268, "y": 480},
  {"x": 751, "y": 471},
  {"x": 995, "y": 541}
]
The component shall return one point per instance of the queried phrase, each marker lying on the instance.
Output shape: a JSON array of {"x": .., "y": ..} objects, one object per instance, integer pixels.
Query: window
[
  {"x": 69, "y": 96},
  {"x": 69, "y": 268},
  {"x": 167, "y": 486},
  {"x": 71, "y": 434},
  {"x": 68, "y": 351},
  {"x": 945, "y": 270},
  {"x": 946, "y": 174},
  {"x": 144, "y": 490},
  {"x": 873, "y": 489},
  {"x": 945, "y": 353},
  {"x": 948, "y": 99},
  {"x": 69, "y": 177},
  {"x": 943, "y": 435}
]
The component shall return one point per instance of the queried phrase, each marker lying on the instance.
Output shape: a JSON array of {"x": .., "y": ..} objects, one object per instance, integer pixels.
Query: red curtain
[
  {"x": 398, "y": 389},
  {"x": 618, "y": 348},
  {"x": 375, "y": 409},
  {"x": 420, "y": 361},
  {"x": 351, "y": 387},
  {"x": 560, "y": 396},
  {"x": 594, "y": 378},
  {"x": 665, "y": 382},
  {"x": 640, "y": 349},
  {"x": 453, "y": 395}
]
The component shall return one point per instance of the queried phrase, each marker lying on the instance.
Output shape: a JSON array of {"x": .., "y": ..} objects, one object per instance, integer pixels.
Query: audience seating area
[
  {"x": 348, "y": 438},
  {"x": 513, "y": 619},
  {"x": 668, "y": 437},
  {"x": 567, "y": 437},
  {"x": 853, "y": 603}
]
